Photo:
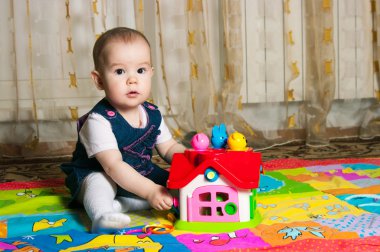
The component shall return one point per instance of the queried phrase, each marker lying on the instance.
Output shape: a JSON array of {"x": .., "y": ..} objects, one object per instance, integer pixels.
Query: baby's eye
[
  {"x": 119, "y": 71},
  {"x": 141, "y": 70}
]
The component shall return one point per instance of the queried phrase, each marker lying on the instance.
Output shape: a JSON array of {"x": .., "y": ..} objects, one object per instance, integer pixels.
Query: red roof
[{"x": 241, "y": 168}]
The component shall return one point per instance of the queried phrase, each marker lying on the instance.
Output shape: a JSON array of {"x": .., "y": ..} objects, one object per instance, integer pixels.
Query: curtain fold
[
  {"x": 320, "y": 70},
  {"x": 370, "y": 126},
  {"x": 230, "y": 98},
  {"x": 186, "y": 70}
]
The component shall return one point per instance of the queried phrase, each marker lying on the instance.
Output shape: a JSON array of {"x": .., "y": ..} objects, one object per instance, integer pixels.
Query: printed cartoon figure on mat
[
  {"x": 127, "y": 242},
  {"x": 111, "y": 171},
  {"x": 295, "y": 232},
  {"x": 221, "y": 241}
]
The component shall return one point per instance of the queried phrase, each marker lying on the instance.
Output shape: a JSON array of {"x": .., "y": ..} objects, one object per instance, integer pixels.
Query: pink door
[{"x": 213, "y": 204}]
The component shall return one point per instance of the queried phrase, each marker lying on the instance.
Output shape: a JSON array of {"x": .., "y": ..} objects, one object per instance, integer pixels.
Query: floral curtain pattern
[{"x": 199, "y": 49}]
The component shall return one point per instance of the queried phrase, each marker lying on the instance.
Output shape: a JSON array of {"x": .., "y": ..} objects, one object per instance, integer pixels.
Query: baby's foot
[{"x": 110, "y": 222}]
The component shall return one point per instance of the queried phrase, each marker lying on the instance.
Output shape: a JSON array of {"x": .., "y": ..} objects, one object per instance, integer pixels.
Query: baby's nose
[{"x": 131, "y": 80}]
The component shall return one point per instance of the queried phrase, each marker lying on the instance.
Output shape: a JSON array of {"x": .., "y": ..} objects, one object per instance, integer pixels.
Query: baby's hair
[{"x": 119, "y": 33}]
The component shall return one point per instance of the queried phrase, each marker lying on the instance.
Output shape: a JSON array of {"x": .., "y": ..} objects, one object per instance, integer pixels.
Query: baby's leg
[
  {"x": 128, "y": 204},
  {"x": 98, "y": 197}
]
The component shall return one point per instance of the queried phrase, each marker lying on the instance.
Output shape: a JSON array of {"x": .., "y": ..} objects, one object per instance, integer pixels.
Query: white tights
[{"x": 105, "y": 209}]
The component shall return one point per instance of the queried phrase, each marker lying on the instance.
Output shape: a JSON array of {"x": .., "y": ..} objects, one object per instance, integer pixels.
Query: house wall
[{"x": 244, "y": 194}]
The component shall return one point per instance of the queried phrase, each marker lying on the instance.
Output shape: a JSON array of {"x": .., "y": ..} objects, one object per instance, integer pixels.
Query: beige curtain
[
  {"x": 371, "y": 121},
  {"x": 200, "y": 54},
  {"x": 186, "y": 71},
  {"x": 325, "y": 111},
  {"x": 320, "y": 77},
  {"x": 322, "y": 114},
  {"x": 46, "y": 49}
]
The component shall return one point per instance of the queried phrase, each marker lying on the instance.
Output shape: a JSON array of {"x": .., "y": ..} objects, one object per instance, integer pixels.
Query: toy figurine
[
  {"x": 200, "y": 142},
  {"x": 237, "y": 142},
  {"x": 219, "y": 136}
]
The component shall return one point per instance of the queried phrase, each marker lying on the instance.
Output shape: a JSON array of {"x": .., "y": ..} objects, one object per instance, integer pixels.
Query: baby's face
[{"x": 126, "y": 74}]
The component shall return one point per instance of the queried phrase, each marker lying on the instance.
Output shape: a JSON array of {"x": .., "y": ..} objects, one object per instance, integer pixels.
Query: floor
[{"x": 48, "y": 167}]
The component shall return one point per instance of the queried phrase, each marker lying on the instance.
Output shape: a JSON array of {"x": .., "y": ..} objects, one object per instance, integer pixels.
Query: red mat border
[{"x": 14, "y": 185}]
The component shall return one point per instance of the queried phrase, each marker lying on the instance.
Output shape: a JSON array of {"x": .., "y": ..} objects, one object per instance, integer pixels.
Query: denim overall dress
[{"x": 135, "y": 144}]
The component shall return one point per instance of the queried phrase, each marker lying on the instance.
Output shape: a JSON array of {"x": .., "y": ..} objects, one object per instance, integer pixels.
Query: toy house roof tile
[{"x": 241, "y": 168}]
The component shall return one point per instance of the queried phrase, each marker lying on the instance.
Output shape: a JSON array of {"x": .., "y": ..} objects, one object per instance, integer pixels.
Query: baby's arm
[
  {"x": 129, "y": 179},
  {"x": 168, "y": 148}
]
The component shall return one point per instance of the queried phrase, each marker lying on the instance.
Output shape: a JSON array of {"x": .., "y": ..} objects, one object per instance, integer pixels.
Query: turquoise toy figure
[{"x": 219, "y": 136}]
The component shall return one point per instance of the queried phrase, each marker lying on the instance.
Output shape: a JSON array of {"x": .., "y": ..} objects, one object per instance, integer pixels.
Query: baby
[{"x": 111, "y": 171}]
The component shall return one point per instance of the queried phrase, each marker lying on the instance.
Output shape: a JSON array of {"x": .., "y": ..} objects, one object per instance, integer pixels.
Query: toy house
[{"x": 217, "y": 189}]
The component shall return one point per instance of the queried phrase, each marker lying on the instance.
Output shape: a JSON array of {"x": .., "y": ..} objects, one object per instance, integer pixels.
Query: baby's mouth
[{"x": 132, "y": 93}]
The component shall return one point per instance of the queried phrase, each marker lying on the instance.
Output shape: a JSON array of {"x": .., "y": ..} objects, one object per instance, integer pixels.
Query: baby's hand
[{"x": 159, "y": 198}]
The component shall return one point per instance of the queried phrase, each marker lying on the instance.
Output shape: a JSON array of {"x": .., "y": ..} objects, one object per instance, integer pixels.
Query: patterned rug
[{"x": 303, "y": 205}]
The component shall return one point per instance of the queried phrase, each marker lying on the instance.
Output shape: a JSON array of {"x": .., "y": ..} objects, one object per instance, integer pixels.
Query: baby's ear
[{"x": 97, "y": 79}]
